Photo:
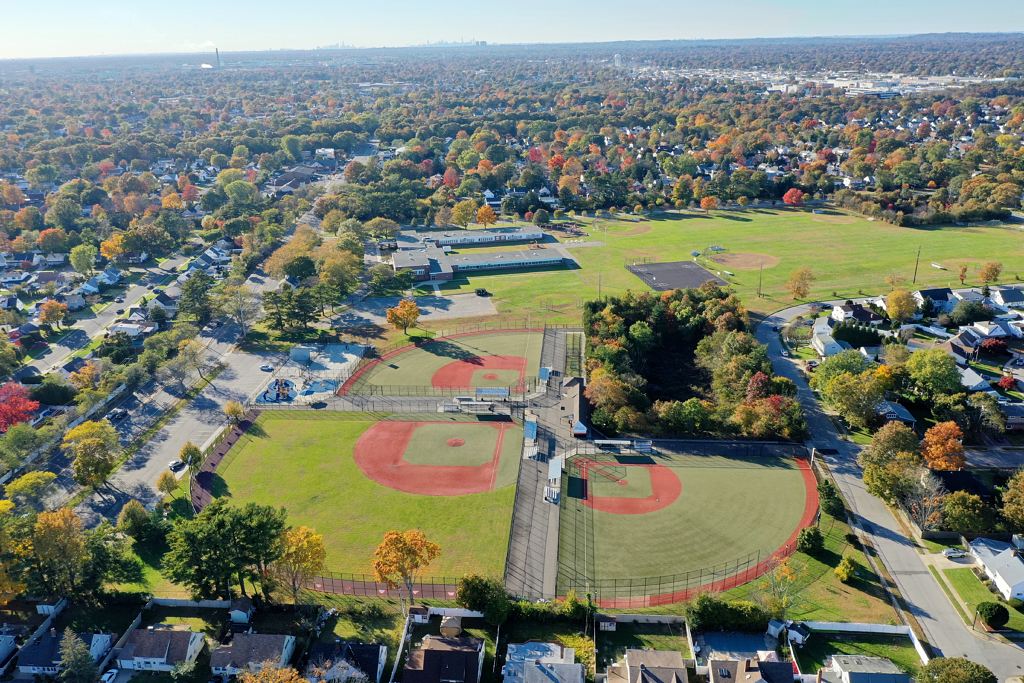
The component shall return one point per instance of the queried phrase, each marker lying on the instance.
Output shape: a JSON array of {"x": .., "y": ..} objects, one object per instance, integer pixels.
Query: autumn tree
[
  {"x": 943, "y": 448},
  {"x": 303, "y": 557},
  {"x": 709, "y": 203},
  {"x": 954, "y": 670},
  {"x": 400, "y": 556},
  {"x": 443, "y": 217},
  {"x": 1013, "y": 501},
  {"x": 241, "y": 305},
  {"x": 404, "y": 315},
  {"x": 962, "y": 272},
  {"x": 59, "y": 549},
  {"x": 965, "y": 513},
  {"x": 934, "y": 372},
  {"x": 856, "y": 397},
  {"x": 53, "y": 312},
  {"x": 83, "y": 258},
  {"x": 779, "y": 588},
  {"x": 29, "y": 487},
  {"x": 890, "y": 462},
  {"x": 15, "y": 405},
  {"x": 485, "y": 216},
  {"x": 191, "y": 456},
  {"x": 235, "y": 410},
  {"x": 799, "y": 283},
  {"x": 86, "y": 377},
  {"x": 464, "y": 212},
  {"x": 990, "y": 271},
  {"x": 133, "y": 518},
  {"x": 113, "y": 248},
  {"x": 92, "y": 444},
  {"x": 794, "y": 197},
  {"x": 167, "y": 483},
  {"x": 901, "y": 306}
]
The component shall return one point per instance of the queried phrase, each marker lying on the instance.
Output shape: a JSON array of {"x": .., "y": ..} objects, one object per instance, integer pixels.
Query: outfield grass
[
  {"x": 820, "y": 646},
  {"x": 973, "y": 592},
  {"x": 757, "y": 504},
  {"x": 306, "y": 465},
  {"x": 859, "y": 254}
]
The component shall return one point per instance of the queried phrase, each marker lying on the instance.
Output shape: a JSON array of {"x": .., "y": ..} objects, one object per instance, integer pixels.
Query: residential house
[
  {"x": 942, "y": 299},
  {"x": 160, "y": 648},
  {"x": 1007, "y": 297},
  {"x": 972, "y": 295},
  {"x": 537, "y": 662},
  {"x": 971, "y": 380},
  {"x": 862, "y": 669},
  {"x": 1014, "y": 416},
  {"x": 42, "y": 655},
  {"x": 242, "y": 610},
  {"x": 45, "y": 277},
  {"x": 1002, "y": 563},
  {"x": 9, "y": 302},
  {"x": 54, "y": 260},
  {"x": 648, "y": 666},
  {"x": 750, "y": 671},
  {"x": 856, "y": 313},
  {"x": 111, "y": 276},
  {"x": 251, "y": 652},
  {"x": 15, "y": 277},
  {"x": 72, "y": 366},
  {"x": 964, "y": 480},
  {"x": 995, "y": 329},
  {"x": 894, "y": 412},
  {"x": 7, "y": 645},
  {"x": 162, "y": 300},
  {"x": 445, "y": 660},
  {"x": 90, "y": 287},
  {"x": 825, "y": 345},
  {"x": 73, "y": 300},
  {"x": 135, "y": 330},
  {"x": 331, "y": 661}
]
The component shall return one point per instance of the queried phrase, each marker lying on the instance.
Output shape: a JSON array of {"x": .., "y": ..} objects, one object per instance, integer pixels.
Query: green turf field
[
  {"x": 729, "y": 507},
  {"x": 304, "y": 462},
  {"x": 416, "y": 366},
  {"x": 848, "y": 254},
  {"x": 428, "y": 446}
]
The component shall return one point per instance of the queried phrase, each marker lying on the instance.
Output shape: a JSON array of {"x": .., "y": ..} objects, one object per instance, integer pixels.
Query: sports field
[
  {"x": 485, "y": 359},
  {"x": 327, "y": 469},
  {"x": 638, "y": 517},
  {"x": 847, "y": 253}
]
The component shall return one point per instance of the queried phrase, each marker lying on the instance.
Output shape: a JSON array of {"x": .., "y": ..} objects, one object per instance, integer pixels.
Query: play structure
[{"x": 280, "y": 390}]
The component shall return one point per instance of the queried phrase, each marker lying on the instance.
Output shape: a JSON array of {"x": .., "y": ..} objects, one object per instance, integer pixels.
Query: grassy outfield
[
  {"x": 848, "y": 254},
  {"x": 306, "y": 465},
  {"x": 728, "y": 507},
  {"x": 815, "y": 653},
  {"x": 416, "y": 367}
]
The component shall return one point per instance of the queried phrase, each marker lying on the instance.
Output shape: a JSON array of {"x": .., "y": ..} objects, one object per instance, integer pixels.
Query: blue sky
[{"x": 65, "y": 28}]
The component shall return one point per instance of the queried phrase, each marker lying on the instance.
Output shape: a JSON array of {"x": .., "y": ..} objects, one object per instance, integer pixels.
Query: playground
[
  {"x": 509, "y": 359},
  {"x": 649, "y": 519},
  {"x": 355, "y": 476}
]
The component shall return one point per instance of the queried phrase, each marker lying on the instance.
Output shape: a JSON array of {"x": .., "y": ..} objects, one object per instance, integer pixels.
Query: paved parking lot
[{"x": 374, "y": 311}]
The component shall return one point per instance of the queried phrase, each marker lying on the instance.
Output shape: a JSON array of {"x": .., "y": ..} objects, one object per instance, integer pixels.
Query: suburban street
[{"x": 944, "y": 629}]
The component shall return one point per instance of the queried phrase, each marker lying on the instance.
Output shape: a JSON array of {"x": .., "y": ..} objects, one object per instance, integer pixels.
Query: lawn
[
  {"x": 973, "y": 592},
  {"x": 821, "y": 645},
  {"x": 612, "y": 645},
  {"x": 861, "y": 253},
  {"x": 305, "y": 463},
  {"x": 199, "y": 619}
]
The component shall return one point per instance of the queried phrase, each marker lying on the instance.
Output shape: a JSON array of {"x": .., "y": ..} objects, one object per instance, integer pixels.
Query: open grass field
[
  {"x": 489, "y": 359},
  {"x": 673, "y": 514},
  {"x": 820, "y": 646},
  {"x": 847, "y": 253},
  {"x": 307, "y": 464}
]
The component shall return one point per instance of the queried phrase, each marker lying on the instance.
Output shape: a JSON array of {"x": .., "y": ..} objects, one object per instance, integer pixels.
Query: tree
[
  {"x": 934, "y": 372},
  {"x": 53, "y": 312},
  {"x": 76, "y": 660},
  {"x": 167, "y": 483},
  {"x": 794, "y": 197},
  {"x": 302, "y": 558},
  {"x": 464, "y": 212},
  {"x": 29, "y": 487},
  {"x": 191, "y": 456},
  {"x": 779, "y": 588},
  {"x": 994, "y": 347},
  {"x": 831, "y": 504},
  {"x": 1013, "y": 501},
  {"x": 113, "y": 248},
  {"x": 845, "y": 570},
  {"x": 404, "y": 315},
  {"x": 133, "y": 519},
  {"x": 810, "y": 540},
  {"x": 849, "y": 361},
  {"x": 444, "y": 216},
  {"x": 943, "y": 448},
  {"x": 15, "y": 405},
  {"x": 52, "y": 240},
  {"x": 799, "y": 283},
  {"x": 962, "y": 272},
  {"x": 400, "y": 556},
  {"x": 235, "y": 410},
  {"x": 856, "y": 397},
  {"x": 340, "y": 269},
  {"x": 990, "y": 271},
  {"x": 901, "y": 306},
  {"x": 709, "y": 203},
  {"x": 274, "y": 674},
  {"x": 925, "y": 500},
  {"x": 83, "y": 258},
  {"x": 485, "y": 216},
  {"x": 195, "y": 301},
  {"x": 541, "y": 217},
  {"x": 59, "y": 549},
  {"x": 87, "y": 377},
  {"x": 241, "y": 305},
  {"x": 965, "y": 513},
  {"x": 954, "y": 670},
  {"x": 92, "y": 444},
  {"x": 993, "y": 614}
]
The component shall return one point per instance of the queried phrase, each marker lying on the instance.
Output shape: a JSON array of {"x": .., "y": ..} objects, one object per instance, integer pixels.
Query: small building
[
  {"x": 862, "y": 669},
  {"x": 750, "y": 671},
  {"x": 894, "y": 412},
  {"x": 159, "y": 648},
  {"x": 42, "y": 655},
  {"x": 537, "y": 662},
  {"x": 605, "y": 622},
  {"x": 242, "y": 610},
  {"x": 252, "y": 652},
  {"x": 1003, "y": 564},
  {"x": 971, "y": 380},
  {"x": 419, "y": 615},
  {"x": 8, "y": 644},
  {"x": 445, "y": 660},
  {"x": 451, "y": 627},
  {"x": 331, "y": 661},
  {"x": 942, "y": 299}
]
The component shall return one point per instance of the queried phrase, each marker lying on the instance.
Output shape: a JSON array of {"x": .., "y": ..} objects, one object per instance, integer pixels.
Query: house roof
[
  {"x": 902, "y": 414},
  {"x": 243, "y": 604},
  {"x": 363, "y": 656},
  {"x": 1000, "y": 558},
  {"x": 168, "y": 644},
  {"x": 1008, "y": 295},
  {"x": 444, "y": 659},
  {"x": 45, "y": 650},
  {"x": 248, "y": 648},
  {"x": 940, "y": 294},
  {"x": 962, "y": 480},
  {"x": 539, "y": 672},
  {"x": 864, "y": 669}
]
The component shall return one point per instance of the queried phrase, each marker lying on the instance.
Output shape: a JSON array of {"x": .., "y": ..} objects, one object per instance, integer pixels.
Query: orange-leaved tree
[
  {"x": 942, "y": 447},
  {"x": 404, "y": 315},
  {"x": 485, "y": 216},
  {"x": 709, "y": 203},
  {"x": 53, "y": 312},
  {"x": 303, "y": 558},
  {"x": 400, "y": 556}
]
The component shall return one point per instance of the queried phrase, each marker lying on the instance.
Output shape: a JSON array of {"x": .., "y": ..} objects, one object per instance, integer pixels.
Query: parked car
[
  {"x": 1019, "y": 361},
  {"x": 119, "y": 311},
  {"x": 158, "y": 290},
  {"x": 785, "y": 353},
  {"x": 175, "y": 465},
  {"x": 117, "y": 414},
  {"x": 953, "y": 553},
  {"x": 267, "y": 368},
  {"x": 109, "y": 676},
  {"x": 775, "y": 328},
  {"x": 119, "y": 300}
]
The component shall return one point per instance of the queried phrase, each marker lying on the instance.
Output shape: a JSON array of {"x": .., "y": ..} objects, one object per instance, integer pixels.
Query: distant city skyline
[{"x": 115, "y": 27}]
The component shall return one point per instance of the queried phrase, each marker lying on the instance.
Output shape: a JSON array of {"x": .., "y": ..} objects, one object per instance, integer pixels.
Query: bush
[
  {"x": 993, "y": 614},
  {"x": 831, "y": 503},
  {"x": 710, "y": 612},
  {"x": 810, "y": 541},
  {"x": 1017, "y": 604},
  {"x": 846, "y": 569}
]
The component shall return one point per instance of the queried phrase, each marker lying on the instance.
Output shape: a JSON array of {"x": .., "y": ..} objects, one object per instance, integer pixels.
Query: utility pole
[
  {"x": 760, "y": 277},
  {"x": 599, "y": 284},
  {"x": 918, "y": 261}
]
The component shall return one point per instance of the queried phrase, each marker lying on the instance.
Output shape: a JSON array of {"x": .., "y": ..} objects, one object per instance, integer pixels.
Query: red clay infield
[
  {"x": 455, "y": 442},
  {"x": 787, "y": 549},
  {"x": 665, "y": 489},
  {"x": 460, "y": 373},
  {"x": 379, "y": 451}
]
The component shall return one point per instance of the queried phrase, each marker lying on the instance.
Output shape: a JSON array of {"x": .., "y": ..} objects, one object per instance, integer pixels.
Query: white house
[
  {"x": 995, "y": 329},
  {"x": 1007, "y": 297},
  {"x": 110, "y": 276},
  {"x": 159, "y": 648},
  {"x": 165, "y": 302},
  {"x": 528, "y": 662},
  {"x": 252, "y": 651},
  {"x": 825, "y": 345},
  {"x": 42, "y": 655},
  {"x": 942, "y": 299},
  {"x": 971, "y": 380},
  {"x": 7, "y": 646},
  {"x": 1003, "y": 564}
]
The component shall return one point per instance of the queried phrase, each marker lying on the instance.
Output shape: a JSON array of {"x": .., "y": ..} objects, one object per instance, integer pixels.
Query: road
[{"x": 944, "y": 629}]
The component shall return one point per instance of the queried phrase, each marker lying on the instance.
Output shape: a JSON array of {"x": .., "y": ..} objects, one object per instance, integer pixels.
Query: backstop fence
[{"x": 366, "y": 585}]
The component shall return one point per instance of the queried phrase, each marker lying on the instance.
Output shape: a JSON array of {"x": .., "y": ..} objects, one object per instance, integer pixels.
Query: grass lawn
[
  {"x": 83, "y": 618},
  {"x": 822, "y": 645},
  {"x": 598, "y": 544},
  {"x": 305, "y": 463},
  {"x": 198, "y": 619},
  {"x": 937, "y": 546},
  {"x": 972, "y": 591},
  {"x": 612, "y": 645}
]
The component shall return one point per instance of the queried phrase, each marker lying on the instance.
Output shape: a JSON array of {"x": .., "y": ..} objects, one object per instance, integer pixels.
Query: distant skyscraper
[
  {"x": 618, "y": 60},
  {"x": 218, "y": 57}
]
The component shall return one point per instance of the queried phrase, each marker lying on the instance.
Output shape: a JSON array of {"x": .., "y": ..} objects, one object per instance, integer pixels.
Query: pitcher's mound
[{"x": 455, "y": 442}]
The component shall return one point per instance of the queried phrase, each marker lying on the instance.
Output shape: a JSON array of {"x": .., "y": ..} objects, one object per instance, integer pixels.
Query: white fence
[
  {"x": 880, "y": 629},
  {"x": 172, "y": 602},
  {"x": 454, "y": 612}
]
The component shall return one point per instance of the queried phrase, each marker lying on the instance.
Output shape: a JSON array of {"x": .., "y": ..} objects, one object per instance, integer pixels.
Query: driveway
[
  {"x": 374, "y": 311},
  {"x": 943, "y": 627}
]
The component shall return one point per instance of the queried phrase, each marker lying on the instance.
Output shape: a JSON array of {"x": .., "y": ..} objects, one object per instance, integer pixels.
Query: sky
[{"x": 68, "y": 28}]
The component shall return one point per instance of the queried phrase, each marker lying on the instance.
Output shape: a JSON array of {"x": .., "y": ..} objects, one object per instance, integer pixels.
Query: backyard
[{"x": 814, "y": 654}]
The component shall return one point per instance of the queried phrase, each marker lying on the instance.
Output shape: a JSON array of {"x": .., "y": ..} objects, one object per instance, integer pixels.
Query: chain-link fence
[{"x": 366, "y": 585}]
